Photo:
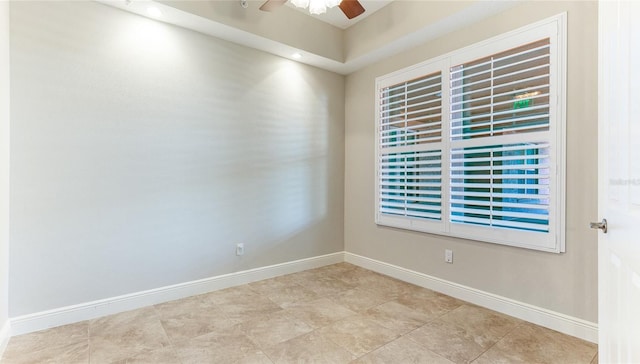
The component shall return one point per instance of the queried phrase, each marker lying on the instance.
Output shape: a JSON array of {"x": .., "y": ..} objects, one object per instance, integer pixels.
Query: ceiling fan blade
[
  {"x": 271, "y": 5},
  {"x": 351, "y": 8}
]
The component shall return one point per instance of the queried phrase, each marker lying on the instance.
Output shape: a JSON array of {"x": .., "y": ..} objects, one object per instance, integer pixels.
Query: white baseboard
[
  {"x": 5, "y": 335},
  {"x": 540, "y": 316},
  {"x": 90, "y": 310},
  {"x": 66, "y": 315}
]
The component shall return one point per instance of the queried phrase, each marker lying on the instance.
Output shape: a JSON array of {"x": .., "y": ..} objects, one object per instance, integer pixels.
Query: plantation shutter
[
  {"x": 471, "y": 144},
  {"x": 500, "y": 140},
  {"x": 410, "y": 150}
]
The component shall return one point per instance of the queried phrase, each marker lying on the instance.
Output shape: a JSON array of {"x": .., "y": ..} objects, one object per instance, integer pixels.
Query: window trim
[{"x": 554, "y": 28}]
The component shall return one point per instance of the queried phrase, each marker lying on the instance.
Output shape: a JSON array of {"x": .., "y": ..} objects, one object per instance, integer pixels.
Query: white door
[{"x": 619, "y": 181}]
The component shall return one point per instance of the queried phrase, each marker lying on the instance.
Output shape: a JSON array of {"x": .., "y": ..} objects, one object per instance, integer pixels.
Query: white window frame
[{"x": 553, "y": 28}]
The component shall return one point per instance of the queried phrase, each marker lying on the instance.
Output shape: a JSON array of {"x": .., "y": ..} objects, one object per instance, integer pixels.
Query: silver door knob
[{"x": 599, "y": 225}]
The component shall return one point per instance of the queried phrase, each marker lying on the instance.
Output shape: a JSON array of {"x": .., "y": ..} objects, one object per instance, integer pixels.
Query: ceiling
[
  {"x": 335, "y": 17},
  {"x": 234, "y": 27}
]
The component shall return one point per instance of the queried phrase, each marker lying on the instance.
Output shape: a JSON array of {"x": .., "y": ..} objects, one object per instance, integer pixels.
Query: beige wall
[
  {"x": 565, "y": 283},
  {"x": 142, "y": 153},
  {"x": 4, "y": 165}
]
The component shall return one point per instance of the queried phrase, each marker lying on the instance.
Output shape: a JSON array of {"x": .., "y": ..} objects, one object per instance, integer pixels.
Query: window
[
  {"x": 410, "y": 159},
  {"x": 471, "y": 144}
]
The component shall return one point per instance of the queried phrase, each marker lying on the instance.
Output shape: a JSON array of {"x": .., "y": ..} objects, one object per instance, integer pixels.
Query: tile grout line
[
  {"x": 356, "y": 313},
  {"x": 264, "y": 350},
  {"x": 420, "y": 344},
  {"x": 169, "y": 339},
  {"x": 88, "y": 342},
  {"x": 499, "y": 340}
]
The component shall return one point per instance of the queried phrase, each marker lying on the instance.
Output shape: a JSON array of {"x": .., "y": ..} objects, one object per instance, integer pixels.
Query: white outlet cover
[{"x": 448, "y": 256}]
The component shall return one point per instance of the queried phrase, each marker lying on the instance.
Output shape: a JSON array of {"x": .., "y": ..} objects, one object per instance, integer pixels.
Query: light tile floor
[{"x": 335, "y": 314}]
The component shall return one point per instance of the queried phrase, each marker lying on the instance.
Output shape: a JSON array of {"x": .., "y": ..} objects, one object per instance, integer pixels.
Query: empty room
[{"x": 319, "y": 181}]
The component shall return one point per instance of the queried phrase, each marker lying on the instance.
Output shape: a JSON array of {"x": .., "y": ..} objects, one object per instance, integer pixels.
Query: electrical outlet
[
  {"x": 240, "y": 249},
  {"x": 448, "y": 256}
]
